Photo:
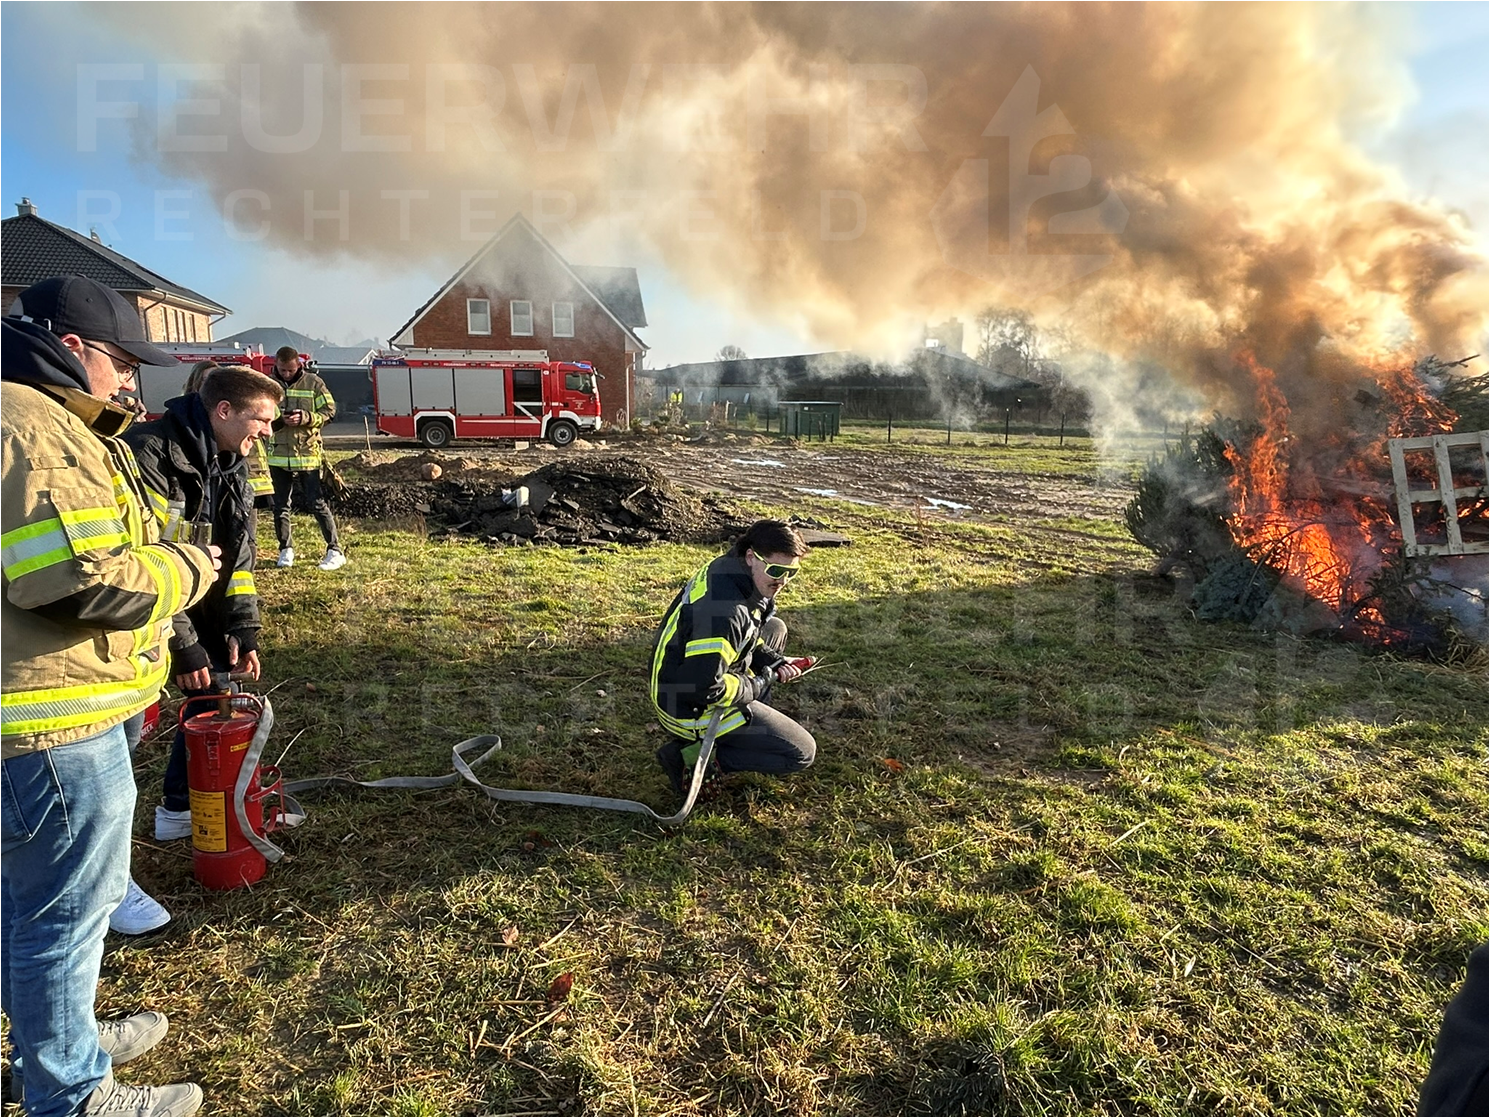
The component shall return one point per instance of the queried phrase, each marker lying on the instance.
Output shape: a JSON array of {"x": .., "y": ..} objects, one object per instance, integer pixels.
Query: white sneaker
[
  {"x": 172, "y": 824},
  {"x": 123, "y": 1040},
  {"x": 334, "y": 559},
  {"x": 111, "y": 1097},
  {"x": 286, "y": 557},
  {"x": 132, "y": 1036},
  {"x": 138, "y": 913}
]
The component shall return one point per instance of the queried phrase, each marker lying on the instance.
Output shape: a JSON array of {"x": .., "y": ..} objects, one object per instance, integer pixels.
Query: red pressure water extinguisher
[{"x": 225, "y": 736}]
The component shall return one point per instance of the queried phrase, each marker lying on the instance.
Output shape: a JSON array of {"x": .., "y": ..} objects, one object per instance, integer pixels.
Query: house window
[
  {"x": 478, "y": 316},
  {"x": 522, "y": 317},
  {"x": 563, "y": 320}
]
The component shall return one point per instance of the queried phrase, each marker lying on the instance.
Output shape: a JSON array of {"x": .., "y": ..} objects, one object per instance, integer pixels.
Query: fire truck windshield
[{"x": 579, "y": 382}]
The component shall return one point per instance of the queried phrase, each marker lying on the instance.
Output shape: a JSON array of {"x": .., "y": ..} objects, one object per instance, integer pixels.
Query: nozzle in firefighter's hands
[
  {"x": 223, "y": 682},
  {"x": 795, "y": 668}
]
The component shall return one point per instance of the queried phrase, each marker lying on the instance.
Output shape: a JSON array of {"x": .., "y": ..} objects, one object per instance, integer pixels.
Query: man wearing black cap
[{"x": 89, "y": 593}]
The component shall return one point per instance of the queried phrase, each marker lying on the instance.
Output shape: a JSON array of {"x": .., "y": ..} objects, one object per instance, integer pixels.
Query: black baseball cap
[{"x": 85, "y": 307}]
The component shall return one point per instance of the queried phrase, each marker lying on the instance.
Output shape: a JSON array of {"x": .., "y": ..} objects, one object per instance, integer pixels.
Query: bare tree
[
  {"x": 731, "y": 353},
  {"x": 1008, "y": 340}
]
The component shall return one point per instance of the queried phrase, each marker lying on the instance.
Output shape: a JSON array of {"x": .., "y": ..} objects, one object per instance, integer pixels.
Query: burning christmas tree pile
[{"x": 1302, "y": 533}]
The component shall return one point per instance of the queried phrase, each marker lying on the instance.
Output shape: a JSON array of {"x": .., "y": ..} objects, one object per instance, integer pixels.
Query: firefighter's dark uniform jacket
[
  {"x": 89, "y": 588},
  {"x": 191, "y": 482},
  {"x": 708, "y": 651},
  {"x": 299, "y": 448}
]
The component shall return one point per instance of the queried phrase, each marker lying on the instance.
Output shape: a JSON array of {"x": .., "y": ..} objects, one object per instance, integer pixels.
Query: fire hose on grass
[{"x": 230, "y": 836}]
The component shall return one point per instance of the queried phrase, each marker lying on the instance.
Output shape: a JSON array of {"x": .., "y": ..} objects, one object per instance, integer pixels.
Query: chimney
[
  {"x": 945, "y": 336},
  {"x": 96, "y": 238},
  {"x": 25, "y": 208}
]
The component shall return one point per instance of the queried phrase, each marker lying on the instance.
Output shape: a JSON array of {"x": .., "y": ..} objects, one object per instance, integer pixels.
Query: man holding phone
[{"x": 295, "y": 455}]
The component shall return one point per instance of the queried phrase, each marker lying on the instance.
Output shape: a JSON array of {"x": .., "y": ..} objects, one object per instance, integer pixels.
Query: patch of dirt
[
  {"x": 385, "y": 466},
  {"x": 672, "y": 488},
  {"x": 781, "y": 473},
  {"x": 597, "y": 499}
]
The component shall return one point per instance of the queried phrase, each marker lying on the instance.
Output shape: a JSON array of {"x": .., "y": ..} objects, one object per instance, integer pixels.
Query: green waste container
[{"x": 810, "y": 419}]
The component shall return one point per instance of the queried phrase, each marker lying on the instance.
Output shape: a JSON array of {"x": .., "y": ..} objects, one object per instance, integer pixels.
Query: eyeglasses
[
  {"x": 132, "y": 368},
  {"x": 782, "y": 571}
]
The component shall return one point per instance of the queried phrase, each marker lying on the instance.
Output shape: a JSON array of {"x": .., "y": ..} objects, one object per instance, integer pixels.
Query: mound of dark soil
[{"x": 596, "y": 500}]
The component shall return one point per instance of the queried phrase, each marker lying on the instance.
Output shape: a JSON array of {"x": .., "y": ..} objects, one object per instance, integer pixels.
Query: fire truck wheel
[
  {"x": 561, "y": 432},
  {"x": 436, "y": 434}
]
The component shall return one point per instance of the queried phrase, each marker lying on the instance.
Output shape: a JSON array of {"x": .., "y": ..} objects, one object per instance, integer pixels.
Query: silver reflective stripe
[{"x": 22, "y": 555}]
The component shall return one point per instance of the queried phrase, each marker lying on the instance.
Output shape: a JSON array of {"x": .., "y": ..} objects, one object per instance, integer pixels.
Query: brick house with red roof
[{"x": 519, "y": 293}]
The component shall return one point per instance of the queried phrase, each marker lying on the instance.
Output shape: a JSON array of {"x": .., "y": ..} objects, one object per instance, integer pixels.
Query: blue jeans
[{"x": 67, "y": 816}]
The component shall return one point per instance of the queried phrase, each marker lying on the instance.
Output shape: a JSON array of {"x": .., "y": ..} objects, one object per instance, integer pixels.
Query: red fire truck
[{"x": 439, "y": 395}]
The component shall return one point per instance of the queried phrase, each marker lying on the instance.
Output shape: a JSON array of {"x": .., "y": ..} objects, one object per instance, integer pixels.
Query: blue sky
[{"x": 1440, "y": 146}]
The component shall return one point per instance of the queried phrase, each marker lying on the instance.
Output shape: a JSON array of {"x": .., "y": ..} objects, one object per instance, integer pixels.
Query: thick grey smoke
[{"x": 1176, "y": 183}]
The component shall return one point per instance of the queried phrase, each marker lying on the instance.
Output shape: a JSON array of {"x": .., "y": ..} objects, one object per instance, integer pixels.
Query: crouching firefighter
[{"x": 721, "y": 645}]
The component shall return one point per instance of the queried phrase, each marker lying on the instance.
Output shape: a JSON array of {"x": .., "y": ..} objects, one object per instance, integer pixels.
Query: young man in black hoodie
[{"x": 192, "y": 460}]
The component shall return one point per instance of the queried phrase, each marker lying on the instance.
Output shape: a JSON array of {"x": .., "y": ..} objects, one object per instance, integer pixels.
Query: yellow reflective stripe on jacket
[
  {"x": 692, "y": 592},
  {"x": 62, "y": 708},
  {"x": 160, "y": 504},
  {"x": 258, "y": 471},
  {"x": 169, "y": 596},
  {"x": 242, "y": 582},
  {"x": 34, "y": 546},
  {"x": 731, "y": 689},
  {"x": 705, "y": 646},
  {"x": 94, "y": 529},
  {"x": 695, "y": 727}
]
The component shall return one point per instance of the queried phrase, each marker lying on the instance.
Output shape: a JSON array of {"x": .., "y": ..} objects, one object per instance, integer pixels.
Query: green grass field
[{"x": 1065, "y": 850}]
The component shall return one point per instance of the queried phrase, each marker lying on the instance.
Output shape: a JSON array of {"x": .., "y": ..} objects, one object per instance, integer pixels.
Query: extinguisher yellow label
[{"x": 209, "y": 821}]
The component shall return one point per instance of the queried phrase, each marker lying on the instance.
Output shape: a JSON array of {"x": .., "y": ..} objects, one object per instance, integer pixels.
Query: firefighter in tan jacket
[
  {"x": 295, "y": 455},
  {"x": 89, "y": 593}
]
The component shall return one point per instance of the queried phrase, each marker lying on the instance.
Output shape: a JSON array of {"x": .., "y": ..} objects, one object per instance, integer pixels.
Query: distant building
[
  {"x": 518, "y": 293},
  {"x": 270, "y": 339},
  {"x": 946, "y": 337},
  {"x": 33, "y": 249},
  {"x": 273, "y": 338},
  {"x": 929, "y": 384}
]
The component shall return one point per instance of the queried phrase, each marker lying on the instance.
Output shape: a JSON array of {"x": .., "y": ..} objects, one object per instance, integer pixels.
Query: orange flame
[{"x": 1321, "y": 514}]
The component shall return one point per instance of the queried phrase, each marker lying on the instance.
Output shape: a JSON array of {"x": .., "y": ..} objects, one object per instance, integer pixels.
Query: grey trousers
[{"x": 770, "y": 742}]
